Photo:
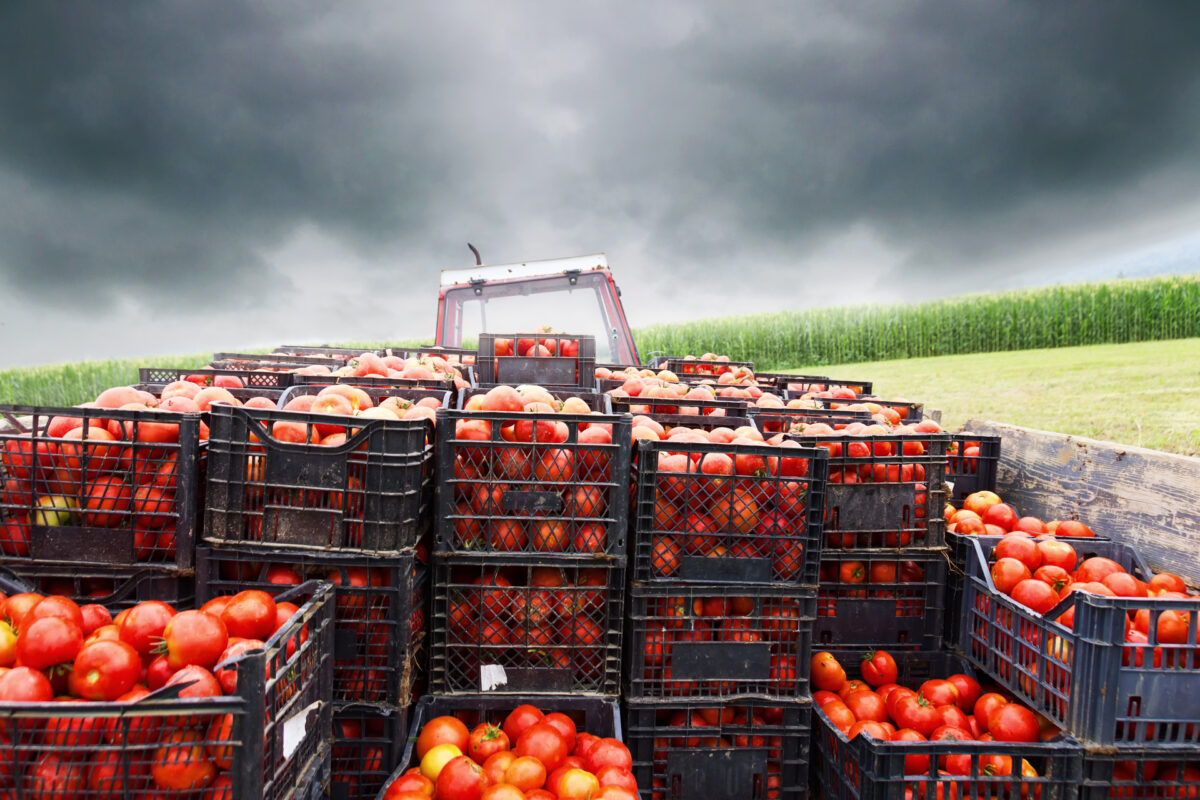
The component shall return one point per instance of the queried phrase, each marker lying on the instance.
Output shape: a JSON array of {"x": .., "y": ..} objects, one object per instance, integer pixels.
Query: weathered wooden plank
[{"x": 1146, "y": 498}]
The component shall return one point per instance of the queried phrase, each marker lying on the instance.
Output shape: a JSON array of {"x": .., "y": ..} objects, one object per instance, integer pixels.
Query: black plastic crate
[
  {"x": 866, "y": 768},
  {"x": 445, "y": 398},
  {"x": 325, "y": 350},
  {"x": 381, "y": 611},
  {"x": 113, "y": 587},
  {"x": 682, "y": 518},
  {"x": 129, "y": 498},
  {"x": 241, "y": 395},
  {"x": 770, "y": 421},
  {"x": 696, "y": 367},
  {"x": 264, "y": 758},
  {"x": 867, "y": 598},
  {"x": 696, "y": 422},
  {"x": 578, "y": 369},
  {"x": 1140, "y": 772},
  {"x": 670, "y": 406},
  {"x": 743, "y": 749},
  {"x": 205, "y": 376},
  {"x": 715, "y": 641},
  {"x": 975, "y": 473},
  {"x": 908, "y": 411},
  {"x": 541, "y": 491},
  {"x": 885, "y": 492},
  {"x": 368, "y": 742},
  {"x": 595, "y": 715},
  {"x": 798, "y": 385},
  {"x": 1088, "y": 678},
  {"x": 368, "y": 494},
  {"x": 542, "y": 624},
  {"x": 289, "y": 360}
]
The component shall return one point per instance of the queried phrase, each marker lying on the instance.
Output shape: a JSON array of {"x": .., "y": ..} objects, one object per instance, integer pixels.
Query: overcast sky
[{"x": 188, "y": 176}]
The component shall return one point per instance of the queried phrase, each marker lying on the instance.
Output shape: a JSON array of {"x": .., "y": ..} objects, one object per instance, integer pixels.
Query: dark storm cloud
[{"x": 152, "y": 148}]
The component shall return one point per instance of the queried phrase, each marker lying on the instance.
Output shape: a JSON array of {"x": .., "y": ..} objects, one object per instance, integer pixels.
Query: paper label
[
  {"x": 295, "y": 729},
  {"x": 492, "y": 676}
]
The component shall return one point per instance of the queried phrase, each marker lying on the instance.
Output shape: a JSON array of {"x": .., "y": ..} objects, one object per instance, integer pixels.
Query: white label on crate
[
  {"x": 295, "y": 729},
  {"x": 492, "y": 676}
]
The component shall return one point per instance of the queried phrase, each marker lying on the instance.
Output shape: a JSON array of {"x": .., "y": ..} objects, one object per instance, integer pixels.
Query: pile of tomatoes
[
  {"x": 985, "y": 514},
  {"x": 726, "y": 501},
  {"x": 52, "y": 649},
  {"x": 954, "y": 708},
  {"x": 520, "y": 486},
  {"x": 530, "y": 756},
  {"x": 373, "y": 365}
]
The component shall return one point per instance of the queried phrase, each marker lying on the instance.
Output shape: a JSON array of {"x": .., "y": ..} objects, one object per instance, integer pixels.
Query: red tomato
[
  {"x": 939, "y": 692},
  {"x": 878, "y": 668},
  {"x": 916, "y": 712},
  {"x": 1056, "y": 578},
  {"x": 562, "y": 723},
  {"x": 443, "y": 730},
  {"x": 203, "y": 684},
  {"x": 143, "y": 626},
  {"x": 577, "y": 784},
  {"x": 194, "y": 637},
  {"x": 1012, "y": 722},
  {"x": 1007, "y": 573},
  {"x": 1094, "y": 569},
  {"x": 615, "y": 776},
  {"x": 546, "y": 744},
  {"x": 56, "y": 606},
  {"x": 227, "y": 676},
  {"x": 1057, "y": 553},
  {"x": 968, "y": 691},
  {"x": 526, "y": 773},
  {"x": 104, "y": 670},
  {"x": 519, "y": 719},
  {"x": 827, "y": 673},
  {"x": 984, "y": 707},
  {"x": 486, "y": 740},
  {"x": 411, "y": 782},
  {"x": 25, "y": 685},
  {"x": 250, "y": 615},
  {"x": 48, "y": 642},
  {"x": 609, "y": 752},
  {"x": 866, "y": 705},
  {"x": 1035, "y": 595},
  {"x": 94, "y": 617},
  {"x": 461, "y": 779},
  {"x": 915, "y": 764},
  {"x": 1020, "y": 546},
  {"x": 182, "y": 763}
]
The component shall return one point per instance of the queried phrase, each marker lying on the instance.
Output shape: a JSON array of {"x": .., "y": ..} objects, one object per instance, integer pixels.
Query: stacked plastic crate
[
  {"x": 726, "y": 548},
  {"x": 295, "y": 495},
  {"x": 1121, "y": 674}
]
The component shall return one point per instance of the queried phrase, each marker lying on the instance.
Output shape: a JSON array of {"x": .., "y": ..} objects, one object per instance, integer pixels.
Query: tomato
[
  {"x": 609, "y": 752},
  {"x": 610, "y": 793},
  {"x": 503, "y": 791},
  {"x": 250, "y": 615},
  {"x": 939, "y": 692},
  {"x": 615, "y": 776},
  {"x": 526, "y": 773},
  {"x": 202, "y": 683},
  {"x": 413, "y": 782},
  {"x": 194, "y": 637},
  {"x": 486, "y": 740},
  {"x": 1167, "y": 582},
  {"x": 839, "y": 715},
  {"x": 1124, "y": 585},
  {"x": 182, "y": 764},
  {"x": 104, "y": 670},
  {"x": 916, "y": 712},
  {"x": 227, "y": 676},
  {"x": 519, "y": 719},
  {"x": 968, "y": 691},
  {"x": 25, "y": 685},
  {"x": 48, "y": 642},
  {"x": 94, "y": 617},
  {"x": 546, "y": 744},
  {"x": 878, "y": 668},
  {"x": 984, "y": 707},
  {"x": 1094, "y": 569},
  {"x": 953, "y": 716},
  {"x": 866, "y": 705},
  {"x": 55, "y": 606},
  {"x": 583, "y": 743},
  {"x": 1056, "y": 578},
  {"x": 53, "y": 777},
  {"x": 1020, "y": 546},
  {"x": 1035, "y": 595},
  {"x": 827, "y": 673},
  {"x": 915, "y": 764},
  {"x": 443, "y": 730},
  {"x": 1056, "y": 554},
  {"x": 871, "y": 727},
  {"x": 561, "y": 722},
  {"x": 577, "y": 784},
  {"x": 221, "y": 730},
  {"x": 143, "y": 625},
  {"x": 1007, "y": 573},
  {"x": 1012, "y": 722},
  {"x": 461, "y": 779},
  {"x": 893, "y": 699},
  {"x": 852, "y": 686},
  {"x": 822, "y": 698}
]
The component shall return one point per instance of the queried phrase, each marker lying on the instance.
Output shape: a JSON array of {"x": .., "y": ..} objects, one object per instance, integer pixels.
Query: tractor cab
[{"x": 574, "y": 295}]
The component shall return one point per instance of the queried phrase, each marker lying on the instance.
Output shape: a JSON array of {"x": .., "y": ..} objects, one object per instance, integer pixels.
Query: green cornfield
[{"x": 1111, "y": 312}]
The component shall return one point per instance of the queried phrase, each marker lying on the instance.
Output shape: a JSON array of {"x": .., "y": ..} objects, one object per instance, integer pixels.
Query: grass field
[{"x": 1145, "y": 394}]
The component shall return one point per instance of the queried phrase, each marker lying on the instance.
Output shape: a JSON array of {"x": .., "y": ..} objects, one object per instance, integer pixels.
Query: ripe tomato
[
  {"x": 25, "y": 685},
  {"x": 526, "y": 773},
  {"x": 1166, "y": 582},
  {"x": 182, "y": 764},
  {"x": 1036, "y": 595},
  {"x": 872, "y": 728},
  {"x": 1094, "y": 569},
  {"x": 461, "y": 779},
  {"x": 1057, "y": 554},
  {"x": 227, "y": 676},
  {"x": 413, "y": 782},
  {"x": 939, "y": 692},
  {"x": 544, "y": 743},
  {"x": 577, "y": 784},
  {"x": 1020, "y": 546},
  {"x": 55, "y": 606},
  {"x": 502, "y": 791},
  {"x": 969, "y": 691},
  {"x": 443, "y": 730},
  {"x": 827, "y": 673},
  {"x": 878, "y": 668},
  {"x": 519, "y": 719},
  {"x": 48, "y": 642},
  {"x": 839, "y": 715},
  {"x": 496, "y": 765},
  {"x": 866, "y": 705},
  {"x": 202, "y": 683},
  {"x": 608, "y": 752},
  {"x": 916, "y": 712},
  {"x": 1013, "y": 722},
  {"x": 984, "y": 707},
  {"x": 561, "y": 722},
  {"x": 250, "y": 615},
  {"x": 615, "y": 776},
  {"x": 484, "y": 741},
  {"x": 1056, "y": 578},
  {"x": 194, "y": 637},
  {"x": 143, "y": 626},
  {"x": 104, "y": 670},
  {"x": 915, "y": 764},
  {"x": 1007, "y": 573}
]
